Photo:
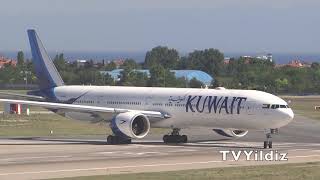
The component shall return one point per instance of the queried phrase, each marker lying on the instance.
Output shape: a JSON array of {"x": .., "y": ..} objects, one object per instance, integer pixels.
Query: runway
[{"x": 41, "y": 158}]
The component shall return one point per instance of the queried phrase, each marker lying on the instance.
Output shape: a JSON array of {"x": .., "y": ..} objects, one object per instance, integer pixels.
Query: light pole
[{"x": 26, "y": 76}]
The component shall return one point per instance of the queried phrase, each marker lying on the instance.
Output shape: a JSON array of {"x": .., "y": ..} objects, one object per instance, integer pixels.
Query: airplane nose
[
  {"x": 290, "y": 114},
  {"x": 287, "y": 115}
]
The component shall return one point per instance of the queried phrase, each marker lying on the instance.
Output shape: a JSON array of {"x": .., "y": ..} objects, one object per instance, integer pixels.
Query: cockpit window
[
  {"x": 275, "y": 106},
  {"x": 266, "y": 106}
]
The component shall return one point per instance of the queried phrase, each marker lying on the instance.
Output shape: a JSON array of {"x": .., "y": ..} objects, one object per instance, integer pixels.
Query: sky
[{"x": 138, "y": 25}]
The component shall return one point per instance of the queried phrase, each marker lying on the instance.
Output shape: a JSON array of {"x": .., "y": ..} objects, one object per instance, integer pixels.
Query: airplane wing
[{"x": 85, "y": 109}]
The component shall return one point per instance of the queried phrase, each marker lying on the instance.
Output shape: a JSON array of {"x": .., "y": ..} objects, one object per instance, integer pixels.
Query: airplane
[{"x": 132, "y": 111}]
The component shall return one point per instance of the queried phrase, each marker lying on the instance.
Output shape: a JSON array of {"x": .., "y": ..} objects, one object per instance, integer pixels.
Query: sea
[{"x": 279, "y": 58}]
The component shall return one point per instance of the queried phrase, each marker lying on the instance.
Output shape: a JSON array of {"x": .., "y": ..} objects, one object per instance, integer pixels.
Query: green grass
[
  {"x": 304, "y": 105},
  {"x": 42, "y": 124},
  {"x": 15, "y": 91},
  {"x": 269, "y": 172}
]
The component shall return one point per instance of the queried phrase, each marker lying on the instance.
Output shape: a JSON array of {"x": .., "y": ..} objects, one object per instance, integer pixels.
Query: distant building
[
  {"x": 261, "y": 57},
  {"x": 295, "y": 63},
  {"x": 226, "y": 60},
  {"x": 119, "y": 62},
  {"x": 269, "y": 57},
  {"x": 81, "y": 62},
  {"x": 201, "y": 76},
  {"x": 5, "y": 61}
]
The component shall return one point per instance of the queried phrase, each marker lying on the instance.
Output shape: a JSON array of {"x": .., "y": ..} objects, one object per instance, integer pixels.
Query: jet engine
[
  {"x": 231, "y": 132},
  {"x": 130, "y": 125}
]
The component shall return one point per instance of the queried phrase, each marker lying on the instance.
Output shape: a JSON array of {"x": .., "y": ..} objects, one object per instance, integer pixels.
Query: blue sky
[{"x": 138, "y": 25}]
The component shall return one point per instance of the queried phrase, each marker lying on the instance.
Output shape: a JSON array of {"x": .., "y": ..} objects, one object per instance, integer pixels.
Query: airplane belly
[
  {"x": 188, "y": 119},
  {"x": 236, "y": 121}
]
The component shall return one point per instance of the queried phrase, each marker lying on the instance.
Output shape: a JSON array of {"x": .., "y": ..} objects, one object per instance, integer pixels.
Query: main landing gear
[
  {"x": 117, "y": 140},
  {"x": 175, "y": 137},
  {"x": 268, "y": 142}
]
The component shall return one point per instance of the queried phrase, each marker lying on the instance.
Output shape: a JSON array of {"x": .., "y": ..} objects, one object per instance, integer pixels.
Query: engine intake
[{"x": 130, "y": 125}]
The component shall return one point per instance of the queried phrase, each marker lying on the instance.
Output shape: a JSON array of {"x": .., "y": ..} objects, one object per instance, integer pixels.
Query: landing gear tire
[
  {"x": 268, "y": 142},
  {"x": 184, "y": 138},
  {"x": 165, "y": 138},
  {"x": 175, "y": 137},
  {"x": 265, "y": 144},
  {"x": 117, "y": 140},
  {"x": 110, "y": 139}
]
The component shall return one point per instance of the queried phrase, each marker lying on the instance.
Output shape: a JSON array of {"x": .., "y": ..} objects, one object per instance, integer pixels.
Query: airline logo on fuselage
[{"x": 215, "y": 104}]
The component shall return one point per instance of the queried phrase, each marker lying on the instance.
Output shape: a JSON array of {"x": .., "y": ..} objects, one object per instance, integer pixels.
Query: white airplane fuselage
[{"x": 185, "y": 107}]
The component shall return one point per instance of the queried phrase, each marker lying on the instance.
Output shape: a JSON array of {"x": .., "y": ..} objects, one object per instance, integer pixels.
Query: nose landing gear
[
  {"x": 175, "y": 137},
  {"x": 268, "y": 142}
]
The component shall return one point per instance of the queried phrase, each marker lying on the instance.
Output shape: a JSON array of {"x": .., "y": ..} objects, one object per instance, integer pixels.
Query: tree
[
  {"x": 281, "y": 84},
  {"x": 135, "y": 78},
  {"x": 161, "y": 77},
  {"x": 60, "y": 62},
  {"x": 315, "y": 65},
  {"x": 89, "y": 64},
  {"x": 160, "y": 55},
  {"x": 20, "y": 58},
  {"x": 208, "y": 60},
  {"x": 111, "y": 66},
  {"x": 194, "y": 83},
  {"x": 130, "y": 64},
  {"x": 108, "y": 80}
]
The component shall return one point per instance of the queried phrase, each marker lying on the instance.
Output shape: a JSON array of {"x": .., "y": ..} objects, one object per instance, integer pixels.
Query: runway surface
[{"x": 40, "y": 158}]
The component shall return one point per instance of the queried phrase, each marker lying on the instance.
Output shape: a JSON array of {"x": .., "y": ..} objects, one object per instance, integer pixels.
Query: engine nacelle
[
  {"x": 130, "y": 125},
  {"x": 231, "y": 132}
]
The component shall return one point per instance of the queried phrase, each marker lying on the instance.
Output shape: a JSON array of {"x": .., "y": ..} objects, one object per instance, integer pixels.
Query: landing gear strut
[
  {"x": 175, "y": 137},
  {"x": 268, "y": 142},
  {"x": 118, "y": 140}
]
